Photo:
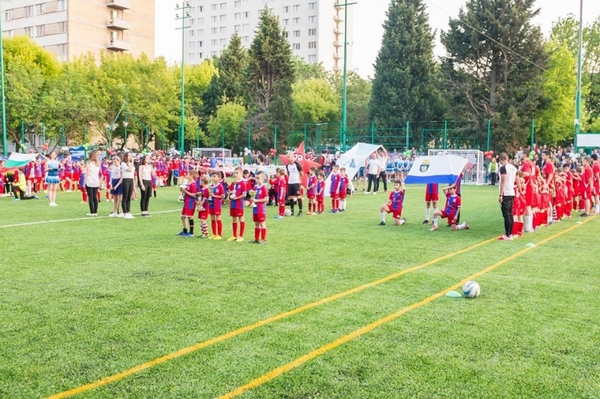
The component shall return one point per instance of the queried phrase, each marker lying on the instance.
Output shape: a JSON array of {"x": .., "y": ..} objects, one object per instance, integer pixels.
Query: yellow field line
[
  {"x": 250, "y": 327},
  {"x": 357, "y": 333}
]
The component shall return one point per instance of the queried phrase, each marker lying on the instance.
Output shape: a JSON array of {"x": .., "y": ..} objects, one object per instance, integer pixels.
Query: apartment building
[
  {"x": 69, "y": 28},
  {"x": 315, "y": 28}
]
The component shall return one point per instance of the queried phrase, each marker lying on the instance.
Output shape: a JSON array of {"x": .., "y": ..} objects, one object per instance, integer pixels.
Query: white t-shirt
[
  {"x": 91, "y": 175},
  {"x": 373, "y": 166},
  {"x": 510, "y": 172},
  {"x": 125, "y": 171},
  {"x": 293, "y": 173},
  {"x": 146, "y": 172}
]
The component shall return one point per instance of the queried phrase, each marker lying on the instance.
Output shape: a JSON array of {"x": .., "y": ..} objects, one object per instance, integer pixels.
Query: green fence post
[
  {"x": 84, "y": 142},
  {"x": 22, "y": 136},
  {"x": 198, "y": 137},
  {"x": 249, "y": 136},
  {"x": 445, "y": 134},
  {"x": 407, "y": 133},
  {"x": 489, "y": 134},
  {"x": 275, "y": 142},
  {"x": 532, "y": 133},
  {"x": 372, "y": 132}
]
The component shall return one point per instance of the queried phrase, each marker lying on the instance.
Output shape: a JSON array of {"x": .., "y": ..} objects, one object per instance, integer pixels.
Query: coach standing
[
  {"x": 508, "y": 174},
  {"x": 373, "y": 169},
  {"x": 294, "y": 172}
]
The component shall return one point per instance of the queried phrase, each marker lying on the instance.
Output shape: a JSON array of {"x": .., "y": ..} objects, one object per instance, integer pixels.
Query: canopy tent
[
  {"x": 443, "y": 169},
  {"x": 352, "y": 160}
]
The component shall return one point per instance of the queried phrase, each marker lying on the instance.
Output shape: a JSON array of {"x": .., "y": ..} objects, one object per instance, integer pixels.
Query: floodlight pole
[
  {"x": 185, "y": 14},
  {"x": 344, "y": 78},
  {"x": 4, "y": 147},
  {"x": 578, "y": 100}
]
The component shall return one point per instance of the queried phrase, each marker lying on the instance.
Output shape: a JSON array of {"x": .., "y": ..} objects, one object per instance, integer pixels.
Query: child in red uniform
[
  {"x": 431, "y": 198},
  {"x": 342, "y": 190},
  {"x": 259, "y": 210},
  {"x": 189, "y": 206},
  {"x": 394, "y": 205},
  {"x": 237, "y": 195},
  {"x": 281, "y": 194},
  {"x": 311, "y": 191},
  {"x": 215, "y": 204},
  {"x": 519, "y": 207},
  {"x": 203, "y": 196},
  {"x": 334, "y": 179},
  {"x": 320, "y": 195}
]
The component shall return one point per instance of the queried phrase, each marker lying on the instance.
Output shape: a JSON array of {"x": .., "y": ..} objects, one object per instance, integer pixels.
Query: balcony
[
  {"x": 118, "y": 24},
  {"x": 337, "y": 44},
  {"x": 336, "y": 31},
  {"x": 119, "y": 4},
  {"x": 337, "y": 19},
  {"x": 337, "y": 57},
  {"x": 118, "y": 45}
]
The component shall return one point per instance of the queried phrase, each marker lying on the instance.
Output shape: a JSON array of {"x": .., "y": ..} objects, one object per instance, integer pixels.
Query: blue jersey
[
  {"x": 396, "y": 198},
  {"x": 452, "y": 204}
]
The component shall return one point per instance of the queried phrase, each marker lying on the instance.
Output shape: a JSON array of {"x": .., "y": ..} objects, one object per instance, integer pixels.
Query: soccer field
[{"x": 333, "y": 306}]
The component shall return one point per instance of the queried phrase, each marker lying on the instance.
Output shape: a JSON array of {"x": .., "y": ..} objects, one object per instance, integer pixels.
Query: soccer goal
[{"x": 475, "y": 169}]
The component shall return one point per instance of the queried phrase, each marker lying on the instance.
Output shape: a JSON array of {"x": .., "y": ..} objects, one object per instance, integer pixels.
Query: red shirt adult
[{"x": 528, "y": 169}]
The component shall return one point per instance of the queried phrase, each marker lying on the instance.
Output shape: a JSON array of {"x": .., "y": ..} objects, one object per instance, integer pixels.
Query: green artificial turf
[{"x": 86, "y": 298}]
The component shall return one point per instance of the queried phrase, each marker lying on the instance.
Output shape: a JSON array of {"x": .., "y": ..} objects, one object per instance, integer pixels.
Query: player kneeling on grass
[
  {"x": 451, "y": 210},
  {"x": 394, "y": 205},
  {"x": 189, "y": 206},
  {"x": 259, "y": 209}
]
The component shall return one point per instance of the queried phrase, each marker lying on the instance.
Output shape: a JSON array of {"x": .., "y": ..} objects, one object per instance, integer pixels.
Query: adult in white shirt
[
  {"x": 294, "y": 172},
  {"x": 508, "y": 178},
  {"x": 92, "y": 182},
  {"x": 373, "y": 168},
  {"x": 382, "y": 156},
  {"x": 145, "y": 173},
  {"x": 127, "y": 169}
]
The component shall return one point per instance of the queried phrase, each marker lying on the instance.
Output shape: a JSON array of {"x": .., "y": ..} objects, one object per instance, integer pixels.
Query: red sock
[
  {"x": 309, "y": 207},
  {"x": 257, "y": 233},
  {"x": 242, "y": 228},
  {"x": 235, "y": 229},
  {"x": 107, "y": 194},
  {"x": 263, "y": 234},
  {"x": 84, "y": 196},
  {"x": 99, "y": 196},
  {"x": 220, "y": 227},
  {"x": 333, "y": 204},
  {"x": 213, "y": 226},
  {"x": 515, "y": 228},
  {"x": 281, "y": 210}
]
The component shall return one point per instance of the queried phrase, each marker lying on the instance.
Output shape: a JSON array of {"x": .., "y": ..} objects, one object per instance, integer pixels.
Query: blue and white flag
[{"x": 443, "y": 169}]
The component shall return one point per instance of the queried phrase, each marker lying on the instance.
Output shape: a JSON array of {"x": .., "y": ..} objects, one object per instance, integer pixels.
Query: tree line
[{"x": 498, "y": 70}]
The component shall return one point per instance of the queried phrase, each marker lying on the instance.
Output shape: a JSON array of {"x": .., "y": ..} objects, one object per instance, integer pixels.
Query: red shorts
[
  {"x": 281, "y": 202},
  {"x": 259, "y": 217},
  {"x": 432, "y": 197},
  {"x": 529, "y": 196},
  {"x": 334, "y": 195},
  {"x": 38, "y": 180},
  {"x": 236, "y": 213},
  {"x": 215, "y": 212},
  {"x": 342, "y": 195},
  {"x": 396, "y": 214},
  {"x": 311, "y": 196},
  {"x": 586, "y": 193},
  {"x": 450, "y": 217},
  {"x": 203, "y": 215},
  {"x": 519, "y": 206},
  {"x": 187, "y": 212}
]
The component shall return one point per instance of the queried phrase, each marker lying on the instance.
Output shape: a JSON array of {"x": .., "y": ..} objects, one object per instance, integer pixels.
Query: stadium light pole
[
  {"x": 4, "y": 148},
  {"x": 185, "y": 14},
  {"x": 578, "y": 99},
  {"x": 344, "y": 77}
]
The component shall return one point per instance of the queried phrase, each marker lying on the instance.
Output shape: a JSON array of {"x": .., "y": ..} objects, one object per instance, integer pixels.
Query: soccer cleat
[
  {"x": 232, "y": 238},
  {"x": 382, "y": 223},
  {"x": 261, "y": 242},
  {"x": 402, "y": 221},
  {"x": 584, "y": 215},
  {"x": 240, "y": 239},
  {"x": 332, "y": 211},
  {"x": 188, "y": 235},
  {"x": 426, "y": 221},
  {"x": 299, "y": 214},
  {"x": 182, "y": 233},
  {"x": 434, "y": 228},
  {"x": 504, "y": 237},
  {"x": 202, "y": 236},
  {"x": 466, "y": 226},
  {"x": 279, "y": 217},
  {"x": 253, "y": 242},
  {"x": 217, "y": 238}
]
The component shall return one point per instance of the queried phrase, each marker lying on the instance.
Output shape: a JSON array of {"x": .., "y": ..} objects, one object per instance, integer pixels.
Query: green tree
[
  {"x": 232, "y": 69},
  {"x": 404, "y": 86},
  {"x": 315, "y": 101},
  {"x": 230, "y": 117},
  {"x": 270, "y": 75},
  {"x": 555, "y": 122},
  {"x": 494, "y": 67}
]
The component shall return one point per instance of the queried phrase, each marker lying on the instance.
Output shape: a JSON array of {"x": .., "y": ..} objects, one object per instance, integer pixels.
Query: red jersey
[
  {"x": 216, "y": 204},
  {"x": 343, "y": 182},
  {"x": 238, "y": 189},
  {"x": 261, "y": 207},
  {"x": 311, "y": 186},
  {"x": 549, "y": 171},
  {"x": 320, "y": 190}
]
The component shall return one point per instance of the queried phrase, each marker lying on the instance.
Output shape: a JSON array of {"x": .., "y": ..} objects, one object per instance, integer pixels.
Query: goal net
[{"x": 475, "y": 169}]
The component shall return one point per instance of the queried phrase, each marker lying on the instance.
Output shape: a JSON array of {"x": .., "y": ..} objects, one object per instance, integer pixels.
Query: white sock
[
  {"x": 462, "y": 225},
  {"x": 343, "y": 204},
  {"x": 383, "y": 217},
  {"x": 427, "y": 213},
  {"x": 528, "y": 223},
  {"x": 435, "y": 221}
]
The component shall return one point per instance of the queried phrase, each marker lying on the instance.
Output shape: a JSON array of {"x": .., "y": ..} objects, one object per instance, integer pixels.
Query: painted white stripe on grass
[{"x": 75, "y": 219}]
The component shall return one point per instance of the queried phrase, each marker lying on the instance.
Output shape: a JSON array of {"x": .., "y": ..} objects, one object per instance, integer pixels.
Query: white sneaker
[
  {"x": 367, "y": 193},
  {"x": 53, "y": 204},
  {"x": 128, "y": 216},
  {"x": 112, "y": 215},
  {"x": 89, "y": 214},
  {"x": 120, "y": 215}
]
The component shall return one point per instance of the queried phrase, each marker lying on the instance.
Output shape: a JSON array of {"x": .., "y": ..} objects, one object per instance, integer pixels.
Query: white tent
[{"x": 352, "y": 160}]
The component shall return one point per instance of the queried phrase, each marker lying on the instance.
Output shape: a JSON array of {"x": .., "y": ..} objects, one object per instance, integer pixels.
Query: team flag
[{"x": 442, "y": 169}]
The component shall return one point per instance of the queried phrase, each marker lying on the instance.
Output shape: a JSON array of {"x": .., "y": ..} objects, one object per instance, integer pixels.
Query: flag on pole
[{"x": 443, "y": 169}]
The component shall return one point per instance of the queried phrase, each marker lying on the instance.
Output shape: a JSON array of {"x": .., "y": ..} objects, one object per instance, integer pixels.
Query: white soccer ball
[
  {"x": 288, "y": 212},
  {"x": 471, "y": 289}
]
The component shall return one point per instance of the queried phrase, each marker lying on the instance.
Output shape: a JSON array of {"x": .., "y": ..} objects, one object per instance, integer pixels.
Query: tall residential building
[
  {"x": 315, "y": 28},
  {"x": 69, "y": 28}
]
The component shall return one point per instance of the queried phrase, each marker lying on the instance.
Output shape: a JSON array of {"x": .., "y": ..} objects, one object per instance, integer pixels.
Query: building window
[
  {"x": 296, "y": 46},
  {"x": 8, "y": 15},
  {"x": 223, "y": 42},
  {"x": 237, "y": 3},
  {"x": 296, "y": 21},
  {"x": 200, "y": 32},
  {"x": 29, "y": 11},
  {"x": 28, "y": 31},
  {"x": 245, "y": 2},
  {"x": 223, "y": 29},
  {"x": 237, "y": 16},
  {"x": 213, "y": 53},
  {"x": 214, "y": 6},
  {"x": 213, "y": 42},
  {"x": 312, "y": 6},
  {"x": 192, "y": 33},
  {"x": 312, "y": 58},
  {"x": 201, "y": 21},
  {"x": 297, "y": 8},
  {"x": 286, "y": 9},
  {"x": 62, "y": 49},
  {"x": 223, "y": 6},
  {"x": 8, "y": 34},
  {"x": 62, "y": 5},
  {"x": 223, "y": 18},
  {"x": 296, "y": 33},
  {"x": 246, "y": 27},
  {"x": 245, "y": 39},
  {"x": 213, "y": 18},
  {"x": 236, "y": 28},
  {"x": 213, "y": 30},
  {"x": 200, "y": 43},
  {"x": 62, "y": 27},
  {"x": 286, "y": 22},
  {"x": 246, "y": 14},
  {"x": 200, "y": 8},
  {"x": 40, "y": 8},
  {"x": 191, "y": 56},
  {"x": 199, "y": 56},
  {"x": 312, "y": 19},
  {"x": 312, "y": 32},
  {"x": 192, "y": 44},
  {"x": 192, "y": 21},
  {"x": 286, "y": 34},
  {"x": 312, "y": 44}
]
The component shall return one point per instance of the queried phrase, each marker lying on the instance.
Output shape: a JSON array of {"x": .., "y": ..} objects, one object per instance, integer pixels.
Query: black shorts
[{"x": 293, "y": 190}]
